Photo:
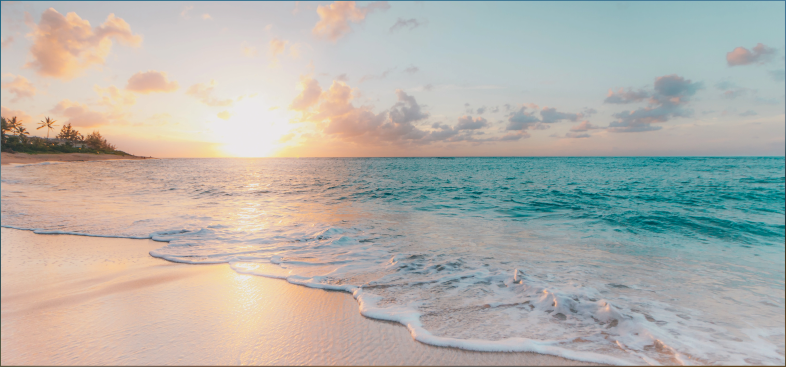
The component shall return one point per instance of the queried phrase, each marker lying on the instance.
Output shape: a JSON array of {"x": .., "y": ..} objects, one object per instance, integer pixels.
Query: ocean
[{"x": 613, "y": 260}]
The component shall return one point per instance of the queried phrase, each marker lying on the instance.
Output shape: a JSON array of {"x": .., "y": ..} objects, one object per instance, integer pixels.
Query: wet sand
[
  {"x": 24, "y": 158},
  {"x": 75, "y": 300}
]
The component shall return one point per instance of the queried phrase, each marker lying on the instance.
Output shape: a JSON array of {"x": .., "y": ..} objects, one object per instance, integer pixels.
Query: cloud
[
  {"x": 277, "y": 47},
  {"x": 571, "y": 135},
  {"x": 224, "y": 115},
  {"x": 428, "y": 87},
  {"x": 749, "y": 113},
  {"x": 409, "y": 24},
  {"x": 151, "y": 82},
  {"x": 7, "y": 42},
  {"x": 521, "y": 120},
  {"x": 584, "y": 126},
  {"x": 624, "y": 97},
  {"x": 406, "y": 110},
  {"x": 468, "y": 123},
  {"x": 20, "y": 115},
  {"x": 494, "y": 109},
  {"x": 732, "y": 94},
  {"x": 550, "y": 115},
  {"x": 249, "y": 51},
  {"x": 540, "y": 126},
  {"x": 514, "y": 136},
  {"x": 411, "y": 70},
  {"x": 335, "y": 18},
  {"x": 381, "y": 76},
  {"x": 295, "y": 50},
  {"x": 334, "y": 112},
  {"x": 79, "y": 115},
  {"x": 336, "y": 117},
  {"x": 673, "y": 86},
  {"x": 185, "y": 11},
  {"x": 742, "y": 56},
  {"x": 481, "y": 110},
  {"x": 115, "y": 98},
  {"x": 342, "y": 78},
  {"x": 63, "y": 46},
  {"x": 731, "y": 90},
  {"x": 204, "y": 92},
  {"x": 207, "y": 16},
  {"x": 671, "y": 94},
  {"x": 20, "y": 87},
  {"x": 309, "y": 96},
  {"x": 777, "y": 75}
]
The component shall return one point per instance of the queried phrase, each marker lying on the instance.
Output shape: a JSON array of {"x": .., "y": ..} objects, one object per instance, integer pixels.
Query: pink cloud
[
  {"x": 20, "y": 87},
  {"x": 7, "y": 42},
  {"x": 63, "y": 46},
  {"x": 277, "y": 46},
  {"x": 335, "y": 18},
  {"x": 742, "y": 56},
  {"x": 584, "y": 126},
  {"x": 116, "y": 99},
  {"x": 308, "y": 96},
  {"x": 20, "y": 115},
  {"x": 79, "y": 114},
  {"x": 204, "y": 92},
  {"x": 335, "y": 117},
  {"x": 151, "y": 82}
]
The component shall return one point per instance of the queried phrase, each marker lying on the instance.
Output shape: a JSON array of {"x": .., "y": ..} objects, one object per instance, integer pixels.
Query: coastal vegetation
[{"x": 16, "y": 138}]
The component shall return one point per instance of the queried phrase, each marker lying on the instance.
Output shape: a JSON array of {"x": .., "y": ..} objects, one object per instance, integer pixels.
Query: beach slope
[{"x": 74, "y": 300}]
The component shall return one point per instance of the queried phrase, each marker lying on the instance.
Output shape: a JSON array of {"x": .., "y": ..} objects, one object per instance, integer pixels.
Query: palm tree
[
  {"x": 4, "y": 129},
  {"x": 13, "y": 123},
  {"x": 21, "y": 131},
  {"x": 48, "y": 124}
]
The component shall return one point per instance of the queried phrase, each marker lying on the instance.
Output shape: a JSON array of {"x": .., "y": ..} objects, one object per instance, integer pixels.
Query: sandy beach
[
  {"x": 24, "y": 158},
  {"x": 75, "y": 300}
]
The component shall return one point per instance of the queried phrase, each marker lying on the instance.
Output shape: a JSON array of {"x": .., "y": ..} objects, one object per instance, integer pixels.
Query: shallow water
[{"x": 616, "y": 260}]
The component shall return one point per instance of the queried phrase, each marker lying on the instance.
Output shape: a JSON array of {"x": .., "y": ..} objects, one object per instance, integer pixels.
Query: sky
[{"x": 402, "y": 79}]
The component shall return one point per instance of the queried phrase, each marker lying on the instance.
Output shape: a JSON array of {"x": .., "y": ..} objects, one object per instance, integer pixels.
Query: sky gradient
[{"x": 324, "y": 79}]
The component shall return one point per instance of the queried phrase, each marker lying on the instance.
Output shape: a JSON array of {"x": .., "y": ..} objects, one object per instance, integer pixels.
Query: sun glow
[{"x": 251, "y": 129}]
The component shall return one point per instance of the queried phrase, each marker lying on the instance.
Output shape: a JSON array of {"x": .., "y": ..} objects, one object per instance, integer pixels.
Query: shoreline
[
  {"x": 97, "y": 300},
  {"x": 24, "y": 158}
]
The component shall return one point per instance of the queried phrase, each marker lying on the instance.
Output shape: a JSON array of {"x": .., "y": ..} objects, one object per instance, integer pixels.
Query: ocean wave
[{"x": 603, "y": 260}]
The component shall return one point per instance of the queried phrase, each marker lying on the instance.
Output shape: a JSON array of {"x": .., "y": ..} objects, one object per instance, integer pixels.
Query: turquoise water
[{"x": 619, "y": 260}]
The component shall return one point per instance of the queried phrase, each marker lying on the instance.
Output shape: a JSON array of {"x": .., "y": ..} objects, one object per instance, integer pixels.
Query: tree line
[{"x": 75, "y": 142}]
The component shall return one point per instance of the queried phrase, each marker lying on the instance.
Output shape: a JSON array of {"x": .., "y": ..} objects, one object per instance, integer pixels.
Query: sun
[{"x": 251, "y": 129}]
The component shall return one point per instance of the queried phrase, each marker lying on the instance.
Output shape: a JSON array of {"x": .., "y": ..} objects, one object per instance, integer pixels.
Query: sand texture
[
  {"x": 73, "y": 300},
  {"x": 24, "y": 158}
]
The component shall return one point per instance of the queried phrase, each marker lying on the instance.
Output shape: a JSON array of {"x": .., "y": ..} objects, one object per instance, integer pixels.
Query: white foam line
[
  {"x": 410, "y": 319},
  {"x": 405, "y": 316},
  {"x": 42, "y": 231},
  {"x": 36, "y": 164},
  {"x": 179, "y": 260}
]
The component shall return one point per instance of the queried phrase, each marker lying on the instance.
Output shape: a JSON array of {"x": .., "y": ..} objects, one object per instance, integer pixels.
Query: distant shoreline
[{"x": 24, "y": 158}]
